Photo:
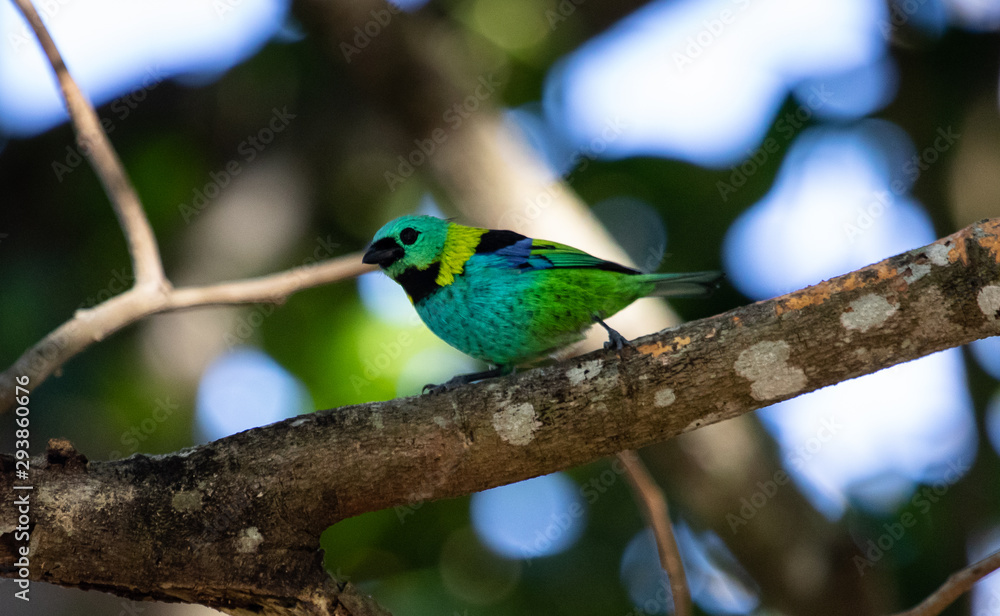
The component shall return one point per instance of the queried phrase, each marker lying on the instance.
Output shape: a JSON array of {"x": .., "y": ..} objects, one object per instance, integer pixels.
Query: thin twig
[
  {"x": 94, "y": 143},
  {"x": 95, "y": 324},
  {"x": 653, "y": 503},
  {"x": 955, "y": 586},
  {"x": 273, "y": 288}
]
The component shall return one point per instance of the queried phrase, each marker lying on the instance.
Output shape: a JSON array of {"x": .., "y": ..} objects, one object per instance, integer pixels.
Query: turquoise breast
[{"x": 505, "y": 316}]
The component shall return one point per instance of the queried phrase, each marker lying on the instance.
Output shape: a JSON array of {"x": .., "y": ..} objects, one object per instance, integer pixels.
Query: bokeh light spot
[
  {"x": 244, "y": 389},
  {"x": 530, "y": 519}
]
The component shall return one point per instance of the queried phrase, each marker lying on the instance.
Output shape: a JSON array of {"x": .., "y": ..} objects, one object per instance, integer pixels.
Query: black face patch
[
  {"x": 384, "y": 252},
  {"x": 419, "y": 283},
  {"x": 408, "y": 236}
]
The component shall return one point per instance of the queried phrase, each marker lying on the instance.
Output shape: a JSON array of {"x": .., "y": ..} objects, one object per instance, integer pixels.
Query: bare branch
[
  {"x": 94, "y": 324},
  {"x": 273, "y": 288},
  {"x": 94, "y": 143},
  {"x": 152, "y": 293},
  {"x": 656, "y": 512},
  {"x": 240, "y": 518},
  {"x": 955, "y": 586}
]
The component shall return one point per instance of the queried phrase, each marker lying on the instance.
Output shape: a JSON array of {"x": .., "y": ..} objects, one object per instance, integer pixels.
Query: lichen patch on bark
[
  {"x": 516, "y": 423},
  {"x": 766, "y": 366},
  {"x": 867, "y": 312}
]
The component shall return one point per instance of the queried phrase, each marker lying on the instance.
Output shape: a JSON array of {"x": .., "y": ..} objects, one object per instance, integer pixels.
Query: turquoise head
[{"x": 408, "y": 242}]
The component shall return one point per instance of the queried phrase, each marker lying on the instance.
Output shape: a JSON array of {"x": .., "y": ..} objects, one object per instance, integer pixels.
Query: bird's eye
[{"x": 408, "y": 235}]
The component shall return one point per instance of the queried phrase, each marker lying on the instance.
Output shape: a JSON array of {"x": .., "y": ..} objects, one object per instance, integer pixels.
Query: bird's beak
[{"x": 384, "y": 252}]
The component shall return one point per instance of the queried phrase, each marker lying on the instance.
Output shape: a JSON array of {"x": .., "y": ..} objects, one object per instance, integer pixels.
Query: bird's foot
[
  {"x": 462, "y": 379},
  {"x": 615, "y": 340}
]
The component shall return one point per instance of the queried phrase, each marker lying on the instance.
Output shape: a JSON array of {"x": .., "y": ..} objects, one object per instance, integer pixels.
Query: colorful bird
[{"x": 507, "y": 299}]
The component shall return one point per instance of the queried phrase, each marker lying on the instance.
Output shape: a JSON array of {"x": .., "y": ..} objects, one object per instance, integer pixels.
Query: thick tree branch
[
  {"x": 240, "y": 518},
  {"x": 94, "y": 324}
]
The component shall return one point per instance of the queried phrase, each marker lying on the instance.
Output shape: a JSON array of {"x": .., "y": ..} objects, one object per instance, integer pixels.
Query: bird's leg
[
  {"x": 463, "y": 379},
  {"x": 615, "y": 340}
]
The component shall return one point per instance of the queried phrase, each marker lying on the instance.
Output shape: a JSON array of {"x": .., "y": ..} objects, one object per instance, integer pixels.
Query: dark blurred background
[{"x": 784, "y": 142}]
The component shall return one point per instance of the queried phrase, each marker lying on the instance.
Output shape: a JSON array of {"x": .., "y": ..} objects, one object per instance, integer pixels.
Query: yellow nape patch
[{"x": 458, "y": 247}]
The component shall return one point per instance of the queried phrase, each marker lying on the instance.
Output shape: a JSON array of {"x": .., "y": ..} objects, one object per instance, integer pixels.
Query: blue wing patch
[
  {"x": 527, "y": 254},
  {"x": 563, "y": 256}
]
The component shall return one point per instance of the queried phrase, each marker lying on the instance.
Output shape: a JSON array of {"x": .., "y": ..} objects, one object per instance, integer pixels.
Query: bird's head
[{"x": 408, "y": 241}]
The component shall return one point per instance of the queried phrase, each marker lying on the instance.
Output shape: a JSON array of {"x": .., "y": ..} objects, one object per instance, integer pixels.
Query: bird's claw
[
  {"x": 463, "y": 379},
  {"x": 616, "y": 341},
  {"x": 440, "y": 388}
]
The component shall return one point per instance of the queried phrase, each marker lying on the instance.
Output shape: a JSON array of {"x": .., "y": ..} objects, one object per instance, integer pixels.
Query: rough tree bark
[{"x": 235, "y": 523}]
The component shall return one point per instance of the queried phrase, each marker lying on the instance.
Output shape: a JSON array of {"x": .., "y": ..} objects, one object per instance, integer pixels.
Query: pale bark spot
[
  {"x": 765, "y": 365},
  {"x": 186, "y": 500},
  {"x": 664, "y": 397},
  {"x": 867, "y": 312},
  {"x": 248, "y": 541},
  {"x": 989, "y": 301},
  {"x": 516, "y": 423},
  {"x": 938, "y": 254},
  {"x": 917, "y": 271},
  {"x": 585, "y": 371}
]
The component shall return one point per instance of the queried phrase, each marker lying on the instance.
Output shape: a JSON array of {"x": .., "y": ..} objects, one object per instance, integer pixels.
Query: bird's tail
[{"x": 694, "y": 284}]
